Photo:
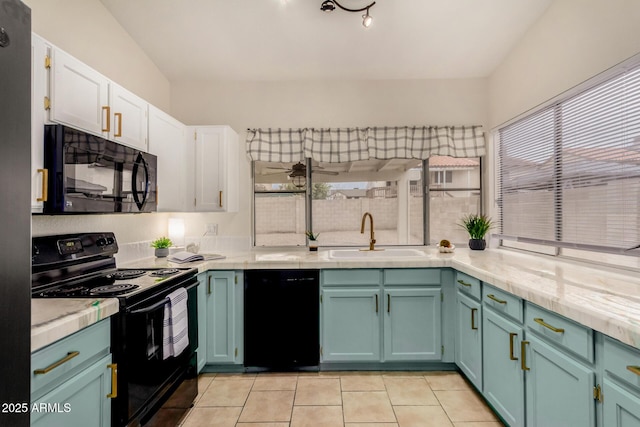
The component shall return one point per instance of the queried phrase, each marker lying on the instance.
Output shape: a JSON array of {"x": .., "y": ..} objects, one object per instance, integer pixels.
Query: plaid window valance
[{"x": 351, "y": 144}]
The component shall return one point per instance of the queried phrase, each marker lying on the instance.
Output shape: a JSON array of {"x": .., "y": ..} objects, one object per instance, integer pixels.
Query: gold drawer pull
[
  {"x": 498, "y": 300},
  {"x": 473, "y": 319},
  {"x": 634, "y": 369},
  {"x": 463, "y": 283},
  {"x": 107, "y": 112},
  {"x": 114, "y": 380},
  {"x": 512, "y": 335},
  {"x": 548, "y": 326},
  {"x": 119, "y": 117},
  {"x": 53, "y": 366},
  {"x": 220, "y": 198},
  {"x": 523, "y": 355},
  {"x": 45, "y": 185},
  {"x": 209, "y": 285}
]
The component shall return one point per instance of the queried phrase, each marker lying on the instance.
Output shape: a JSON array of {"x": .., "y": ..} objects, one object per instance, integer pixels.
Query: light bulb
[{"x": 367, "y": 19}]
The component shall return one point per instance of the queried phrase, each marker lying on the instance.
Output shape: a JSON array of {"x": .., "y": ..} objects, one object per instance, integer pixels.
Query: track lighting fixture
[{"x": 330, "y": 5}]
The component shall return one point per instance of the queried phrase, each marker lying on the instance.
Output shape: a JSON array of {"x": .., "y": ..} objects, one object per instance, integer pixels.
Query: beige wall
[
  {"x": 573, "y": 41},
  {"x": 86, "y": 30}
]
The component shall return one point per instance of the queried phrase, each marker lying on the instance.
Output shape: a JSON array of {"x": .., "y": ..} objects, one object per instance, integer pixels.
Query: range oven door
[
  {"x": 150, "y": 387},
  {"x": 89, "y": 174}
]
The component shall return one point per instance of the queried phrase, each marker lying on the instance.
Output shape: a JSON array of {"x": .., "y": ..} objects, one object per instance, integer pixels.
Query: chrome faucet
[{"x": 372, "y": 240}]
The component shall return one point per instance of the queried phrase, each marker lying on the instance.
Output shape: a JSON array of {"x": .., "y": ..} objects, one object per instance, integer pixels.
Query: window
[
  {"x": 441, "y": 177},
  {"x": 569, "y": 174},
  {"x": 340, "y": 193}
]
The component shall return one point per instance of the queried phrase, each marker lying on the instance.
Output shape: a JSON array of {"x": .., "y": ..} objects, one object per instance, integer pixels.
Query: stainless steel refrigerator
[{"x": 15, "y": 211}]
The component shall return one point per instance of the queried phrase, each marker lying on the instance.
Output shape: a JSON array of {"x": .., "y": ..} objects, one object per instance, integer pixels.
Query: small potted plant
[
  {"x": 477, "y": 225},
  {"x": 313, "y": 240},
  {"x": 162, "y": 246}
]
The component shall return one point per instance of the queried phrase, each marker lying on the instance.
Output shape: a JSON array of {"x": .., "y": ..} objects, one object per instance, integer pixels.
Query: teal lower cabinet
[
  {"x": 351, "y": 325},
  {"x": 202, "y": 321},
  {"x": 621, "y": 384},
  {"x": 559, "y": 388},
  {"x": 72, "y": 380},
  {"x": 412, "y": 325},
  {"x": 502, "y": 372},
  {"x": 468, "y": 352},
  {"x": 224, "y": 291}
]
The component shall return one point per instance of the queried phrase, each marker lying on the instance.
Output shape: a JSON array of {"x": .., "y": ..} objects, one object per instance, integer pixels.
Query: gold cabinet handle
[
  {"x": 107, "y": 112},
  {"x": 220, "y": 197},
  {"x": 119, "y": 117},
  {"x": 463, "y": 283},
  {"x": 388, "y": 303},
  {"x": 634, "y": 369},
  {"x": 512, "y": 335},
  {"x": 473, "y": 319},
  {"x": 209, "y": 285},
  {"x": 114, "y": 380},
  {"x": 523, "y": 355},
  {"x": 498, "y": 300},
  {"x": 53, "y": 366},
  {"x": 45, "y": 185},
  {"x": 539, "y": 321},
  {"x": 376, "y": 303}
]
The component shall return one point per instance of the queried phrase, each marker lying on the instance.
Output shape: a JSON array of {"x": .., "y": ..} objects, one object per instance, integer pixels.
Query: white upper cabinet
[
  {"x": 40, "y": 51},
  {"x": 168, "y": 141},
  {"x": 85, "y": 99},
  {"x": 216, "y": 171},
  {"x": 128, "y": 118},
  {"x": 79, "y": 95}
]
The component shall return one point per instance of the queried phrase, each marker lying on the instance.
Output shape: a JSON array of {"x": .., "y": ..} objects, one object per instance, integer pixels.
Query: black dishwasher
[{"x": 281, "y": 319}]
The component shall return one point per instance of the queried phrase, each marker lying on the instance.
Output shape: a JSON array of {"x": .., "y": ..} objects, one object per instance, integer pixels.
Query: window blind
[{"x": 569, "y": 174}]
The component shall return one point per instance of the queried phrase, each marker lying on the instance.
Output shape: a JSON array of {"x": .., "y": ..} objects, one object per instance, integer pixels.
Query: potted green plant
[
  {"x": 477, "y": 225},
  {"x": 162, "y": 245},
  {"x": 313, "y": 240}
]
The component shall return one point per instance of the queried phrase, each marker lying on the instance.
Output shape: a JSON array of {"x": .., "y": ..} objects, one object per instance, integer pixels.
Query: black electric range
[{"x": 151, "y": 386}]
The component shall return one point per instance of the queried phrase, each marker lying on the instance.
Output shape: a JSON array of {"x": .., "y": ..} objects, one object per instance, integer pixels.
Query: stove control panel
[
  {"x": 49, "y": 250},
  {"x": 69, "y": 246}
]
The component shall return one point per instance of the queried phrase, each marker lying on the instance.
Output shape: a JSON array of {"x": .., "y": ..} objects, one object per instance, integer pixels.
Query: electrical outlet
[{"x": 211, "y": 229}]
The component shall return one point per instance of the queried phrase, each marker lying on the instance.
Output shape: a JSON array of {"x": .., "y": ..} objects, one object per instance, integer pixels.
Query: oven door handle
[
  {"x": 134, "y": 183},
  {"x": 159, "y": 304}
]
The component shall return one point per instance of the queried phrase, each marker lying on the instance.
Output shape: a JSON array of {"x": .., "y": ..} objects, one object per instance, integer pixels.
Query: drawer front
[
  {"x": 469, "y": 285},
  {"x": 623, "y": 361},
  {"x": 60, "y": 360},
  {"x": 350, "y": 277},
  {"x": 566, "y": 334},
  {"x": 503, "y": 302},
  {"x": 412, "y": 276}
]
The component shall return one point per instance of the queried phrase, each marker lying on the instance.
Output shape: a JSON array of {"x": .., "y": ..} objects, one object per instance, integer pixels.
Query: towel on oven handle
[{"x": 175, "y": 329}]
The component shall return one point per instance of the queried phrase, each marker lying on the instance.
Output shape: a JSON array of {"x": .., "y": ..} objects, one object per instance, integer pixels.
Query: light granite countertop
[
  {"x": 604, "y": 299},
  {"x": 55, "y": 318}
]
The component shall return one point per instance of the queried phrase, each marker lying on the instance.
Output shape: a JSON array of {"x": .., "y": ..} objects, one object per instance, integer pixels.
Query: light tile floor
[{"x": 338, "y": 399}]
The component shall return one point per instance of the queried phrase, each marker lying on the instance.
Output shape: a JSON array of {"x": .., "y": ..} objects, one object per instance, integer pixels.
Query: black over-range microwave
[{"x": 89, "y": 174}]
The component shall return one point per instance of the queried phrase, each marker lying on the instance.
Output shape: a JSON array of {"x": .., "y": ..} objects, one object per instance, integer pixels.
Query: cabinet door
[
  {"x": 559, "y": 389},
  {"x": 128, "y": 118},
  {"x": 167, "y": 140},
  {"x": 80, "y": 401},
  {"x": 412, "y": 324},
  {"x": 503, "y": 378},
  {"x": 468, "y": 354},
  {"x": 216, "y": 180},
  {"x": 351, "y": 325},
  {"x": 79, "y": 95},
  {"x": 39, "y": 90},
  {"x": 221, "y": 346},
  {"x": 202, "y": 321},
  {"x": 621, "y": 407}
]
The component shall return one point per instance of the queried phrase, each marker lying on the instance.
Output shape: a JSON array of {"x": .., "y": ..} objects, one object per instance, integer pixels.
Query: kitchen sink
[{"x": 348, "y": 254}]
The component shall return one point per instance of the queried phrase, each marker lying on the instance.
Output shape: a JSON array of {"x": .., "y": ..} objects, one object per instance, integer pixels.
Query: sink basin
[{"x": 348, "y": 254}]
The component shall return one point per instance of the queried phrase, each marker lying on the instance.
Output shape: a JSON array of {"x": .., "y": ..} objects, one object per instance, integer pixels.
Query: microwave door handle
[{"x": 134, "y": 183}]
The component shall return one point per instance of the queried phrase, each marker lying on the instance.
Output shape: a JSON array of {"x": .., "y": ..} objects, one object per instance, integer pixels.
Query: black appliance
[
  {"x": 89, "y": 174},
  {"x": 15, "y": 226},
  {"x": 152, "y": 391},
  {"x": 281, "y": 319}
]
